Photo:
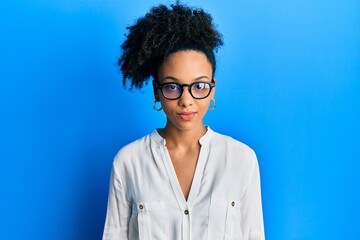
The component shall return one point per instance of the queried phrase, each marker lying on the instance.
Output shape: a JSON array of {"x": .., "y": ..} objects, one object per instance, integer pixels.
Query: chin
[{"x": 188, "y": 126}]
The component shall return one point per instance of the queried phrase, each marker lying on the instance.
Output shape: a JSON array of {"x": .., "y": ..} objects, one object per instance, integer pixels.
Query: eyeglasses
[{"x": 197, "y": 90}]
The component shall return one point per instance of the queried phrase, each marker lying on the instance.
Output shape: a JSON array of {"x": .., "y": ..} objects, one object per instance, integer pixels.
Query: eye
[
  {"x": 200, "y": 86},
  {"x": 171, "y": 87}
]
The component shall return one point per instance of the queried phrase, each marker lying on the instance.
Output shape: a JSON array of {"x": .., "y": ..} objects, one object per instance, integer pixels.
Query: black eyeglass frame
[{"x": 181, "y": 87}]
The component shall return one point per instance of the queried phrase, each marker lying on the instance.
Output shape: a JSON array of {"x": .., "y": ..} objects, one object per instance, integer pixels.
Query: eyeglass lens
[{"x": 198, "y": 90}]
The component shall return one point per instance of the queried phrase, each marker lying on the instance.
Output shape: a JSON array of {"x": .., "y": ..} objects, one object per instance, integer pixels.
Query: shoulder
[
  {"x": 233, "y": 151},
  {"x": 230, "y": 143},
  {"x": 132, "y": 149},
  {"x": 238, "y": 156}
]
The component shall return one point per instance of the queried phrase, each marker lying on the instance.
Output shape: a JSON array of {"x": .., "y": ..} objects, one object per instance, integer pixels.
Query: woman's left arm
[{"x": 252, "y": 224}]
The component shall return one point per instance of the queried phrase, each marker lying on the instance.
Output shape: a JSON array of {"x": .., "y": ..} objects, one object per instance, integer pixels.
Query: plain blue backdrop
[{"x": 288, "y": 85}]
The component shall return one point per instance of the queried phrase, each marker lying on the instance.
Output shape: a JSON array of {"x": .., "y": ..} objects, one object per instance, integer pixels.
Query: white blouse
[{"x": 146, "y": 200}]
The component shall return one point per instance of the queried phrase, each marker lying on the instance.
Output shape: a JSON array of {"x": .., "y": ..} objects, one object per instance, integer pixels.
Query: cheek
[
  {"x": 167, "y": 105},
  {"x": 204, "y": 105}
]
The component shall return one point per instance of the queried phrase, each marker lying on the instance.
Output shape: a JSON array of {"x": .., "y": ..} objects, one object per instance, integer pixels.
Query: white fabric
[{"x": 146, "y": 201}]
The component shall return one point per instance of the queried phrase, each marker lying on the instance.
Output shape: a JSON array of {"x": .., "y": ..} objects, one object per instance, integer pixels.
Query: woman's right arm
[{"x": 118, "y": 210}]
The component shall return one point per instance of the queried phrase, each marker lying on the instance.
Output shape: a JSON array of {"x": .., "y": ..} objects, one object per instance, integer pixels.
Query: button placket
[{"x": 186, "y": 229}]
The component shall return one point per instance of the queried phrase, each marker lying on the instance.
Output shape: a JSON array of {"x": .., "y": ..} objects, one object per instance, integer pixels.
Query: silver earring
[
  {"x": 156, "y": 109},
  {"x": 214, "y": 104}
]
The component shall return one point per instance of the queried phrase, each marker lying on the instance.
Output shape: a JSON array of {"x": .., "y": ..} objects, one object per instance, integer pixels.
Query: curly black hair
[{"x": 161, "y": 32}]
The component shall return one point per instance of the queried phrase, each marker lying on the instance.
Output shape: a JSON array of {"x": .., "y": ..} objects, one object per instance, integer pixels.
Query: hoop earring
[
  {"x": 214, "y": 104},
  {"x": 156, "y": 109}
]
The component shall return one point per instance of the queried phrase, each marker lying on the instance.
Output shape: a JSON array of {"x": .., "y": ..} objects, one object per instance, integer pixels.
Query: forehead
[{"x": 185, "y": 66}]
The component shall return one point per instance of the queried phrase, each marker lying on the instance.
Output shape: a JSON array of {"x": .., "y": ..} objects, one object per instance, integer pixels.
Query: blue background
[{"x": 288, "y": 86}]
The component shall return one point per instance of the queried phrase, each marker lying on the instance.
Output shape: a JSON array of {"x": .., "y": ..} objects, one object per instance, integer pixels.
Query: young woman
[{"x": 183, "y": 181}]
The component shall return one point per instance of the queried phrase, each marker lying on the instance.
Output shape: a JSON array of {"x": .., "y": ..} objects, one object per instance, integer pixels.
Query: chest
[
  {"x": 184, "y": 164},
  {"x": 180, "y": 179},
  {"x": 200, "y": 190}
]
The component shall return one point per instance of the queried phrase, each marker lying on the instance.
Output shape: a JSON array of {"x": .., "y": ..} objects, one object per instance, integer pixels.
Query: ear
[{"x": 155, "y": 89}]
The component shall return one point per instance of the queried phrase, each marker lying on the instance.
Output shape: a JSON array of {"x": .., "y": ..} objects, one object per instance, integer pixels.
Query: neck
[{"x": 182, "y": 138}]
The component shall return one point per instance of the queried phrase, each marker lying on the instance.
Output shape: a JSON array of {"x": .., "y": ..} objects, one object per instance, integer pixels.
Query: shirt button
[
  {"x": 233, "y": 204},
  {"x": 186, "y": 212},
  {"x": 141, "y": 206}
]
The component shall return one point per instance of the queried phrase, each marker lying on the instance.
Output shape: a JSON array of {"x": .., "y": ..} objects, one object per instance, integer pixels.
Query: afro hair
[{"x": 161, "y": 32}]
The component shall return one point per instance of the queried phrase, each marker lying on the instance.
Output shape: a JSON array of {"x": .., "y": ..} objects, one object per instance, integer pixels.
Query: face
[{"x": 185, "y": 67}]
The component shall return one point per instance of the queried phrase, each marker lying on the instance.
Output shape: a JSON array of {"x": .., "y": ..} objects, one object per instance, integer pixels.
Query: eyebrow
[{"x": 175, "y": 79}]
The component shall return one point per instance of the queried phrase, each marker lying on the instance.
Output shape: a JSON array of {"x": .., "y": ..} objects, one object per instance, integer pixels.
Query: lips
[{"x": 186, "y": 116}]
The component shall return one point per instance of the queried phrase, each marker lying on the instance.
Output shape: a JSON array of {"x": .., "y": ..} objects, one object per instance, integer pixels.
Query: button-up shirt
[{"x": 146, "y": 200}]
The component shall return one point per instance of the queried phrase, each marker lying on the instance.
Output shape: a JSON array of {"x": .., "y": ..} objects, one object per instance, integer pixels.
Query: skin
[{"x": 182, "y": 133}]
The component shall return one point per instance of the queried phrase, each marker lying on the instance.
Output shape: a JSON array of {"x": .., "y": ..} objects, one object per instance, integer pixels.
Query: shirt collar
[
  {"x": 204, "y": 140},
  {"x": 159, "y": 139}
]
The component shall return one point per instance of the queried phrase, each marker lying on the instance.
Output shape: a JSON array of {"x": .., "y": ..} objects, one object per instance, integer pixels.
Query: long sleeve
[
  {"x": 252, "y": 224},
  {"x": 118, "y": 210}
]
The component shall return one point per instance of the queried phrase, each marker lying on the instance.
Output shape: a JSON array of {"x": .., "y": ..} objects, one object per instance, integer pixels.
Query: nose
[{"x": 186, "y": 99}]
